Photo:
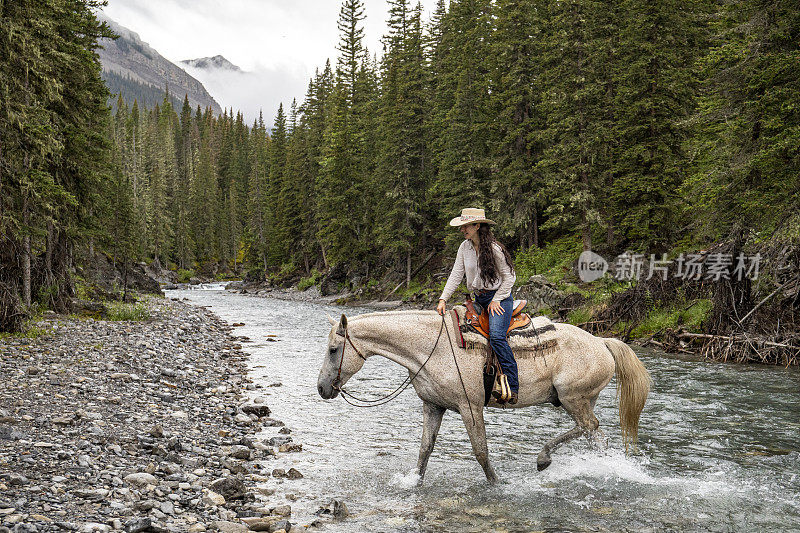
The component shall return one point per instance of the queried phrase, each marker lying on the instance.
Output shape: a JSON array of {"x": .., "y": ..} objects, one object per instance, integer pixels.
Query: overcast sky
[{"x": 279, "y": 42}]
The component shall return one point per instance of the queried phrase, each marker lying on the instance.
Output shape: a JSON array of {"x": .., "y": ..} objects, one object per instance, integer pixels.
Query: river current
[{"x": 718, "y": 444}]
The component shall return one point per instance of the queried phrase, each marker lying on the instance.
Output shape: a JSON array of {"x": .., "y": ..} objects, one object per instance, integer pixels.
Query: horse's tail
[{"x": 633, "y": 385}]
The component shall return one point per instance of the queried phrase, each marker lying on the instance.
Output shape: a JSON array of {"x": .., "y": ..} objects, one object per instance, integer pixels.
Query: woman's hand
[
  {"x": 441, "y": 308},
  {"x": 495, "y": 308}
]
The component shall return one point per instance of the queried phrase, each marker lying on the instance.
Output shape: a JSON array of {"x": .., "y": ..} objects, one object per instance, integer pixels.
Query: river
[{"x": 718, "y": 444}]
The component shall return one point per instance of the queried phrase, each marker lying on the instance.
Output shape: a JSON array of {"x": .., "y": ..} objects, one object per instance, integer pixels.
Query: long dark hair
[{"x": 486, "y": 254}]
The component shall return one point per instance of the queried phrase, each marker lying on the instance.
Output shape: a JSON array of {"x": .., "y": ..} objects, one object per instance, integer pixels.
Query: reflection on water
[{"x": 718, "y": 445}]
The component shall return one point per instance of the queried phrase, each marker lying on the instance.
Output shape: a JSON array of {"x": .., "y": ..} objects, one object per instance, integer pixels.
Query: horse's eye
[{"x": 333, "y": 349}]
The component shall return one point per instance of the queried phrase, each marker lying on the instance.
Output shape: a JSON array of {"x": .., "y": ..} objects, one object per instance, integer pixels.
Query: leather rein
[{"x": 406, "y": 382}]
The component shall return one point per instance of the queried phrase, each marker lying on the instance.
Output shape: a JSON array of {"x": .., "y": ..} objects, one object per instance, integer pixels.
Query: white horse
[{"x": 572, "y": 377}]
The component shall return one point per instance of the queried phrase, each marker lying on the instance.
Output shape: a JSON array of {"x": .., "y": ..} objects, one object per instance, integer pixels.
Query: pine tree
[
  {"x": 516, "y": 103},
  {"x": 403, "y": 156}
]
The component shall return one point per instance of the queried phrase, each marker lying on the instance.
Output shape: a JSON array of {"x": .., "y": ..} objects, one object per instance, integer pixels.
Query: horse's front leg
[
  {"x": 476, "y": 429},
  {"x": 431, "y": 421}
]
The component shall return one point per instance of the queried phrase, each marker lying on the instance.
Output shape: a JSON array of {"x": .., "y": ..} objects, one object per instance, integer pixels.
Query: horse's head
[{"x": 341, "y": 360}]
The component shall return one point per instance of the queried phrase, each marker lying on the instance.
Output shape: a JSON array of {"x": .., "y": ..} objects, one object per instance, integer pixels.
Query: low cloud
[{"x": 251, "y": 92}]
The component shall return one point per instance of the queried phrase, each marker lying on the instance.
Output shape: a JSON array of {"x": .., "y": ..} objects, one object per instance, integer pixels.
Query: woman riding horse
[{"x": 490, "y": 278}]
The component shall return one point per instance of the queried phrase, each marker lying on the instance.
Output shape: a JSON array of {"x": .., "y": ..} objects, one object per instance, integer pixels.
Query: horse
[{"x": 447, "y": 377}]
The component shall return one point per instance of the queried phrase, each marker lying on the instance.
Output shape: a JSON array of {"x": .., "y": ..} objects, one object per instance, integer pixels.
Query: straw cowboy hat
[{"x": 471, "y": 215}]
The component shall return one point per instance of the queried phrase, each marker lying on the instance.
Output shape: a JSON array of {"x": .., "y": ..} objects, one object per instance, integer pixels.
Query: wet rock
[
  {"x": 260, "y": 410},
  {"x": 282, "y": 510},
  {"x": 278, "y": 440},
  {"x": 281, "y": 525},
  {"x": 230, "y": 488},
  {"x": 240, "y": 452},
  {"x": 293, "y": 473},
  {"x": 336, "y": 509},
  {"x": 279, "y": 473},
  {"x": 291, "y": 447}
]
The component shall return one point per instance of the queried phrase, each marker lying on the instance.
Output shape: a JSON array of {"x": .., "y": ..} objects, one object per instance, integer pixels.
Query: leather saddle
[{"x": 479, "y": 319}]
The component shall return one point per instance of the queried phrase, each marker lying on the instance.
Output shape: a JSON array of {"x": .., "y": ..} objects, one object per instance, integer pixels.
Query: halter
[{"x": 406, "y": 382}]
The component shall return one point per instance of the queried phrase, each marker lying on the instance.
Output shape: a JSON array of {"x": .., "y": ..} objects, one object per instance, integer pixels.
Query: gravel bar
[{"x": 135, "y": 426}]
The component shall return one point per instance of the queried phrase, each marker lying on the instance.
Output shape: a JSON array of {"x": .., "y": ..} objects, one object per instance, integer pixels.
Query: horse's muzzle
[{"x": 328, "y": 393}]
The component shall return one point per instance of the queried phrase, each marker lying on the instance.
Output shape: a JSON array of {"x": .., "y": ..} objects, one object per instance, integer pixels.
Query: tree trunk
[
  {"x": 26, "y": 254},
  {"x": 408, "y": 268}
]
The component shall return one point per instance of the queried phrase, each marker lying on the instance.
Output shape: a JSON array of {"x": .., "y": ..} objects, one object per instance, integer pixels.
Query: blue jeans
[{"x": 498, "y": 326}]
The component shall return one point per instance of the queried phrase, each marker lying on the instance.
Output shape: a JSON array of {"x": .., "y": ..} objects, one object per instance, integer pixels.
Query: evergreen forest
[{"x": 653, "y": 127}]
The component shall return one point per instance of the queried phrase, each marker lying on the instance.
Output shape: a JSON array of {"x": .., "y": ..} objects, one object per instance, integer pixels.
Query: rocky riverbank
[{"x": 138, "y": 426}]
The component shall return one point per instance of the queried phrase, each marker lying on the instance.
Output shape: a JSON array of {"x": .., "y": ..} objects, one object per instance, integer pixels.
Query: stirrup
[{"x": 501, "y": 391}]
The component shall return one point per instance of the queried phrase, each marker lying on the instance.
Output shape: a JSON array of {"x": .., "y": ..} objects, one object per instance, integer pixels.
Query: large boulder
[{"x": 540, "y": 293}]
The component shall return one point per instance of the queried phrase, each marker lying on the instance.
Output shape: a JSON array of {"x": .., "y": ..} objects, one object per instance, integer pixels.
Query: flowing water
[{"x": 718, "y": 444}]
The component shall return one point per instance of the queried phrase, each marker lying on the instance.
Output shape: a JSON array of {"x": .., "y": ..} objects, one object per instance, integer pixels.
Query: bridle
[{"x": 406, "y": 382}]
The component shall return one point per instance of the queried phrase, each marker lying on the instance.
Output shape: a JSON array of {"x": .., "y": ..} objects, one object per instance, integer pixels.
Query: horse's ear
[
  {"x": 342, "y": 325},
  {"x": 331, "y": 319}
]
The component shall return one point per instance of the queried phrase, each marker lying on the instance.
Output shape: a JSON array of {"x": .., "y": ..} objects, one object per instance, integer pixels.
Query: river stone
[
  {"x": 291, "y": 447},
  {"x": 279, "y": 440},
  {"x": 224, "y": 526},
  {"x": 282, "y": 525},
  {"x": 230, "y": 487},
  {"x": 282, "y": 510},
  {"x": 137, "y": 525},
  {"x": 259, "y": 410},
  {"x": 260, "y": 523},
  {"x": 293, "y": 473},
  {"x": 140, "y": 479},
  {"x": 240, "y": 452},
  {"x": 336, "y": 509},
  {"x": 92, "y": 527},
  {"x": 212, "y": 499}
]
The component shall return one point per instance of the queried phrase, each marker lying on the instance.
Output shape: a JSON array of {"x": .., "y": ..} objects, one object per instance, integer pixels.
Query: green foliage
[
  {"x": 185, "y": 275},
  {"x": 123, "y": 311},
  {"x": 551, "y": 261},
  {"x": 691, "y": 317},
  {"x": 309, "y": 281},
  {"x": 579, "y": 316}
]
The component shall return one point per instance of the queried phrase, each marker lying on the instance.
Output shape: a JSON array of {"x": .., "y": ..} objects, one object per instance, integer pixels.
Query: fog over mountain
[
  {"x": 137, "y": 71},
  {"x": 248, "y": 91}
]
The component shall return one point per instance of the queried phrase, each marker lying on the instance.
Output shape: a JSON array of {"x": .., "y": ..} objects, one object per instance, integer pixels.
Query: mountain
[
  {"x": 208, "y": 63},
  {"x": 135, "y": 70}
]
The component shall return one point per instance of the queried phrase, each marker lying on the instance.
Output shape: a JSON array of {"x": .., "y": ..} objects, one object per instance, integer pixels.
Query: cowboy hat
[{"x": 471, "y": 215}]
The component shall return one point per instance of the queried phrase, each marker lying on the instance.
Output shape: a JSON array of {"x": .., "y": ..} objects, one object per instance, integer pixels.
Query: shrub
[
  {"x": 127, "y": 311},
  {"x": 185, "y": 275},
  {"x": 310, "y": 281}
]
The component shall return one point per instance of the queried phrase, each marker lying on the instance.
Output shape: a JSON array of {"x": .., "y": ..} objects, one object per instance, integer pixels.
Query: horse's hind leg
[
  {"x": 581, "y": 410},
  {"x": 431, "y": 421}
]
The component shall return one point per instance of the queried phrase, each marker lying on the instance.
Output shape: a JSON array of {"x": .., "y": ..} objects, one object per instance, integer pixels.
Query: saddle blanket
[{"x": 538, "y": 338}]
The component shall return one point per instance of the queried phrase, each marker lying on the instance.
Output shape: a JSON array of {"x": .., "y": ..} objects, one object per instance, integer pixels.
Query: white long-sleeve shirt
[{"x": 467, "y": 263}]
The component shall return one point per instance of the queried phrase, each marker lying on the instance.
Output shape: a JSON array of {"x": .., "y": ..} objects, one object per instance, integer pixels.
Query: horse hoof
[{"x": 542, "y": 463}]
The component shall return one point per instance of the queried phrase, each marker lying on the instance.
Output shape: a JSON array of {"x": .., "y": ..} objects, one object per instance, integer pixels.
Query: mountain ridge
[
  {"x": 215, "y": 62},
  {"x": 136, "y": 70}
]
